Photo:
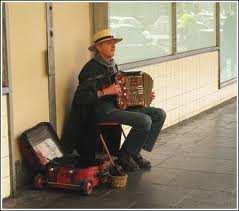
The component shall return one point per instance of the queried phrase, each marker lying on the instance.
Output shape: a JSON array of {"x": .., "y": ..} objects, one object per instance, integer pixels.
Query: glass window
[
  {"x": 144, "y": 27},
  {"x": 228, "y": 40},
  {"x": 196, "y": 25}
]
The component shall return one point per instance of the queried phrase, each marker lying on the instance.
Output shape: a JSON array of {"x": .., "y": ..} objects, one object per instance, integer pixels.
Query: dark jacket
[{"x": 81, "y": 131}]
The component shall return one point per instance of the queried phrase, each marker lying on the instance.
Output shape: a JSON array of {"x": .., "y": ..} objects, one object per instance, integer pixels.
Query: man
[{"x": 96, "y": 98}]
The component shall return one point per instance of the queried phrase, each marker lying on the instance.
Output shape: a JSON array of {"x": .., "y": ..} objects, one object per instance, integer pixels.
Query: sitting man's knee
[
  {"x": 146, "y": 123},
  {"x": 162, "y": 114},
  {"x": 159, "y": 114}
]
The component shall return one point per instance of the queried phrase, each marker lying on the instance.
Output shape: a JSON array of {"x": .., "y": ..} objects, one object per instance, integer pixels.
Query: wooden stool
[
  {"x": 102, "y": 124},
  {"x": 112, "y": 124}
]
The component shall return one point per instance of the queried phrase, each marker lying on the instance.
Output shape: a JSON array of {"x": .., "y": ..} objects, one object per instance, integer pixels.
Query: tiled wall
[
  {"x": 187, "y": 86},
  {"x": 5, "y": 177}
]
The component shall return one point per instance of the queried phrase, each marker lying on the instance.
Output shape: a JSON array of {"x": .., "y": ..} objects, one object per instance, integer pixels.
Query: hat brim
[{"x": 92, "y": 47}]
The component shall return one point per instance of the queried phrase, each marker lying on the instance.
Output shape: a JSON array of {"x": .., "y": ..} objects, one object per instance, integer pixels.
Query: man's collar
[{"x": 103, "y": 61}]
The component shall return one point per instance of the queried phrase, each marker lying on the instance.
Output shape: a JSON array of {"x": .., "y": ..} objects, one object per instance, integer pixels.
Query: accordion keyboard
[{"x": 136, "y": 89}]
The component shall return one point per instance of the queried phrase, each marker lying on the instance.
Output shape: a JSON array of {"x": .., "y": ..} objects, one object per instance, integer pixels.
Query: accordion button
[{"x": 124, "y": 94}]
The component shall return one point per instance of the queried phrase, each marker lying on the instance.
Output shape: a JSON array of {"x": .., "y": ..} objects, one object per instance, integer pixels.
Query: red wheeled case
[
  {"x": 67, "y": 177},
  {"x": 43, "y": 153}
]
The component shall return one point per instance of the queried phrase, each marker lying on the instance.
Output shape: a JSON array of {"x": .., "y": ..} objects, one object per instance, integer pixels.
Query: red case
[{"x": 43, "y": 153}]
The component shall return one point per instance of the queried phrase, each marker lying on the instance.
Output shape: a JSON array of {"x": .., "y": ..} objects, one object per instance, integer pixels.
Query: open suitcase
[{"x": 44, "y": 155}]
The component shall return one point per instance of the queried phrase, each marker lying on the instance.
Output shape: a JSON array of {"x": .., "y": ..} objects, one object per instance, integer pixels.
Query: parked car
[{"x": 132, "y": 21}]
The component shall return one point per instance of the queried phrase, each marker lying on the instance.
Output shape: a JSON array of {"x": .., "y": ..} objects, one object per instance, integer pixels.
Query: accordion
[{"x": 136, "y": 89}]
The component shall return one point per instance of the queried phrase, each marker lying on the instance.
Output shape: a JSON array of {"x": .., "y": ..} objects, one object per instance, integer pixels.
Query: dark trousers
[{"x": 146, "y": 123}]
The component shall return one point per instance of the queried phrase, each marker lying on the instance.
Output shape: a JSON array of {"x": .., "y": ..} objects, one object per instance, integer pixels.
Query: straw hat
[{"x": 101, "y": 36}]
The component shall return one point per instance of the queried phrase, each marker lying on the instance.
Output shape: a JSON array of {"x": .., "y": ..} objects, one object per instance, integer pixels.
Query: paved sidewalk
[{"x": 194, "y": 166}]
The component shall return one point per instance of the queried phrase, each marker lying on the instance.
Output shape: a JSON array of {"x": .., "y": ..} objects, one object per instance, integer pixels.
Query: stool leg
[{"x": 106, "y": 149}]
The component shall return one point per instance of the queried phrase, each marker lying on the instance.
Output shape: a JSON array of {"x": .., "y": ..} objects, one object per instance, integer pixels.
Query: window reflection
[
  {"x": 196, "y": 25},
  {"x": 144, "y": 27},
  {"x": 228, "y": 40}
]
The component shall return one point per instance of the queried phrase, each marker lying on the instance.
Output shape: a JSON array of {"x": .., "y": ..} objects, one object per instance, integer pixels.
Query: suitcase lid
[{"x": 44, "y": 142}]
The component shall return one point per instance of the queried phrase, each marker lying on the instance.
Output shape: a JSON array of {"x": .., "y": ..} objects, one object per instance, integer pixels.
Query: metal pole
[{"x": 51, "y": 65}]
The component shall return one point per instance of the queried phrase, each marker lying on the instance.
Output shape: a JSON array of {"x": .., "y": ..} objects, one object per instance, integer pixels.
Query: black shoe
[
  {"x": 142, "y": 163},
  {"x": 127, "y": 162}
]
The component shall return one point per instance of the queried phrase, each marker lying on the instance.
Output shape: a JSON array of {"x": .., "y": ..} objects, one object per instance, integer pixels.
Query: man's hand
[{"x": 113, "y": 89}]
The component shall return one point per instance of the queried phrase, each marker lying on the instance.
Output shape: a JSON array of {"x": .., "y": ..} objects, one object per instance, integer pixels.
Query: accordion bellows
[{"x": 136, "y": 89}]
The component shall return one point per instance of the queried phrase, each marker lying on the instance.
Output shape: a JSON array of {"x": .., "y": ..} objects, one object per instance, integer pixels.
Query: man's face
[{"x": 106, "y": 49}]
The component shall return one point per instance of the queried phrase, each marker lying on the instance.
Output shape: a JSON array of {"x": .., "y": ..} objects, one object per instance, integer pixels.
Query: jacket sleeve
[{"x": 86, "y": 93}]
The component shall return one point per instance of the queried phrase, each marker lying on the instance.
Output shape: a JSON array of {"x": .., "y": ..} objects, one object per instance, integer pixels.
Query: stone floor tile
[
  {"x": 158, "y": 196},
  {"x": 160, "y": 176},
  {"x": 208, "y": 199},
  {"x": 204, "y": 180},
  {"x": 211, "y": 150},
  {"x": 200, "y": 164}
]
